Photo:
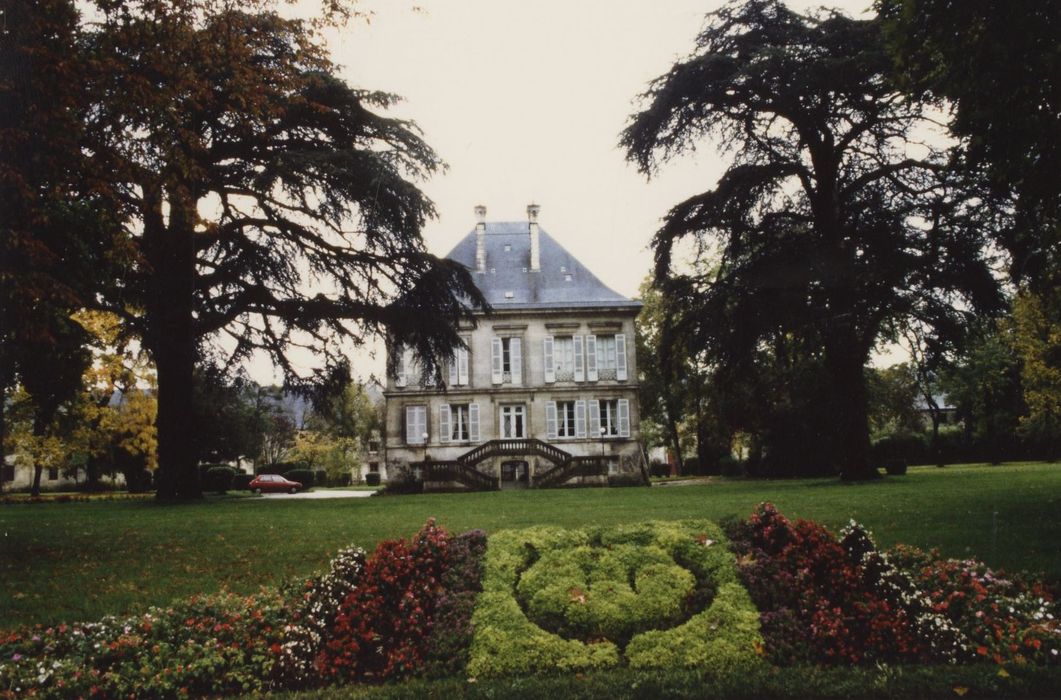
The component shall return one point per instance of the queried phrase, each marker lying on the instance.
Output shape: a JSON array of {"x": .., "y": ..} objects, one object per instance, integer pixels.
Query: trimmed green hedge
[{"x": 659, "y": 594}]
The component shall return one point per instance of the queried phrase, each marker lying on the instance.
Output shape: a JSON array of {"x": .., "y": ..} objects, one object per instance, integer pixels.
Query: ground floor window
[
  {"x": 461, "y": 422},
  {"x": 416, "y": 425},
  {"x": 513, "y": 421},
  {"x": 53, "y": 473},
  {"x": 610, "y": 417}
]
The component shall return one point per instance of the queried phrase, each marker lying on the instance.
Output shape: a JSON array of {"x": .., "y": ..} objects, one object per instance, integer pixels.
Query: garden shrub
[
  {"x": 302, "y": 476},
  {"x": 320, "y": 478},
  {"x": 832, "y": 601},
  {"x": 214, "y": 645},
  {"x": 626, "y": 480},
  {"x": 241, "y": 481},
  {"x": 659, "y": 469},
  {"x": 320, "y": 601},
  {"x": 1004, "y": 617},
  {"x": 895, "y": 467},
  {"x": 372, "y": 479},
  {"x": 451, "y": 636},
  {"x": 382, "y": 628},
  {"x": 588, "y": 595},
  {"x": 218, "y": 479}
]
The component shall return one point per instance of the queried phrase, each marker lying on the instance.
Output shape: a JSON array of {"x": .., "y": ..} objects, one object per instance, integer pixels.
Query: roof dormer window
[
  {"x": 508, "y": 247},
  {"x": 510, "y": 295}
]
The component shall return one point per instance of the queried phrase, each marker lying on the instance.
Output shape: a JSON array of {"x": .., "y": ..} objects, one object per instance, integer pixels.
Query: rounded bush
[
  {"x": 218, "y": 479},
  {"x": 302, "y": 476},
  {"x": 241, "y": 481}
]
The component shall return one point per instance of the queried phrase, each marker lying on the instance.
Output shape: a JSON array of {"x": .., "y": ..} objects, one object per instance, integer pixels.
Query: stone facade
[{"x": 555, "y": 362}]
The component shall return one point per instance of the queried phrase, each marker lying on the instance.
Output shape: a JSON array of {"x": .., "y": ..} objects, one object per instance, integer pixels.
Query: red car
[{"x": 273, "y": 482}]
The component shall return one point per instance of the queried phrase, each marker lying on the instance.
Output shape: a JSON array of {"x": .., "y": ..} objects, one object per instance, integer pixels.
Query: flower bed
[
  {"x": 657, "y": 597},
  {"x": 829, "y": 601},
  {"x": 653, "y": 595}
]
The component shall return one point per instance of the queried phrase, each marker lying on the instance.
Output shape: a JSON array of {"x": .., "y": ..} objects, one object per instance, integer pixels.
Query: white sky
[{"x": 525, "y": 100}]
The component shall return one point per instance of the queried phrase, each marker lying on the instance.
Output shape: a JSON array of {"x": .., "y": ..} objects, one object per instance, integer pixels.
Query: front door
[{"x": 515, "y": 474}]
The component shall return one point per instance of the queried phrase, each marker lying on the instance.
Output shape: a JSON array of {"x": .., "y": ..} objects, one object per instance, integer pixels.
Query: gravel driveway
[{"x": 328, "y": 493}]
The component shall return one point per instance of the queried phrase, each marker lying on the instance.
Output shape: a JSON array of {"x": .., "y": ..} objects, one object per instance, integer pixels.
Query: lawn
[{"x": 66, "y": 561}]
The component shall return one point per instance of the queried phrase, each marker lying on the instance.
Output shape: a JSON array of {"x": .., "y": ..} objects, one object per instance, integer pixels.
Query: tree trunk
[
  {"x": 39, "y": 429},
  {"x": 3, "y": 434},
  {"x": 846, "y": 360},
  {"x": 675, "y": 440},
  {"x": 172, "y": 256},
  {"x": 937, "y": 452}
]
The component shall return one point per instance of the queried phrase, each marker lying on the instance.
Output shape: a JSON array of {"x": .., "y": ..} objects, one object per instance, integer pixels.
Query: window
[
  {"x": 507, "y": 360},
  {"x": 563, "y": 358},
  {"x": 513, "y": 422},
  {"x": 609, "y": 418},
  {"x": 373, "y": 447},
  {"x": 565, "y": 419},
  {"x": 416, "y": 425},
  {"x": 606, "y": 357},
  {"x": 53, "y": 473},
  {"x": 458, "y": 368},
  {"x": 458, "y": 422},
  {"x": 8, "y": 472},
  {"x": 373, "y": 467}
]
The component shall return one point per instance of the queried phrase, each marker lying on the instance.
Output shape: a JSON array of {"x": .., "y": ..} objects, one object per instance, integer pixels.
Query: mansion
[{"x": 544, "y": 393}]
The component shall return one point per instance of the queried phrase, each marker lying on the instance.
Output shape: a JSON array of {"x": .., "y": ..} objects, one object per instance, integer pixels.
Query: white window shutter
[
  {"x": 445, "y": 420},
  {"x": 462, "y": 366},
  {"x": 580, "y": 366},
  {"x": 547, "y": 353},
  {"x": 594, "y": 419},
  {"x": 453, "y": 370},
  {"x": 624, "y": 418},
  {"x": 580, "y": 419},
  {"x": 400, "y": 379},
  {"x": 473, "y": 422},
  {"x": 415, "y": 425},
  {"x": 516, "y": 357},
  {"x": 550, "y": 419},
  {"x": 620, "y": 356},
  {"x": 497, "y": 374},
  {"x": 591, "y": 358}
]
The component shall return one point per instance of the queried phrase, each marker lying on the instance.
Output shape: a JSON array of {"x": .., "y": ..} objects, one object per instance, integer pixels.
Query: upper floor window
[
  {"x": 507, "y": 360},
  {"x": 584, "y": 358},
  {"x": 458, "y": 368}
]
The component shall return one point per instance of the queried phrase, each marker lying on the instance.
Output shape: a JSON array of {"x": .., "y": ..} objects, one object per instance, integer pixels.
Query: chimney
[
  {"x": 480, "y": 238},
  {"x": 535, "y": 239}
]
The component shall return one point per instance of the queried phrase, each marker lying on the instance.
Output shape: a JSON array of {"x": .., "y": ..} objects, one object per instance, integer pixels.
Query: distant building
[{"x": 546, "y": 391}]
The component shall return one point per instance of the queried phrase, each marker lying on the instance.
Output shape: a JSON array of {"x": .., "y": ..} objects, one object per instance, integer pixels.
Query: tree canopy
[
  {"x": 271, "y": 204},
  {"x": 834, "y": 220}
]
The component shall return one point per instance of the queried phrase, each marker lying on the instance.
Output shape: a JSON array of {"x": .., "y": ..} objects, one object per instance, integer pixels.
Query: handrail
[{"x": 514, "y": 447}]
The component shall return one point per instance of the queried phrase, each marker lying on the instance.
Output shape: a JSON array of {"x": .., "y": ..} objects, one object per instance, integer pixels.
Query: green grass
[{"x": 67, "y": 561}]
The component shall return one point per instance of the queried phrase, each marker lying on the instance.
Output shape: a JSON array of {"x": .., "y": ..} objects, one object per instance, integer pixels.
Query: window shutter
[
  {"x": 497, "y": 374},
  {"x": 400, "y": 379},
  {"x": 594, "y": 419},
  {"x": 620, "y": 356},
  {"x": 550, "y": 419},
  {"x": 580, "y": 419},
  {"x": 453, "y": 370},
  {"x": 591, "y": 358},
  {"x": 547, "y": 353},
  {"x": 445, "y": 419},
  {"x": 580, "y": 367},
  {"x": 516, "y": 353},
  {"x": 624, "y": 418},
  {"x": 412, "y": 426},
  {"x": 473, "y": 422},
  {"x": 462, "y": 366}
]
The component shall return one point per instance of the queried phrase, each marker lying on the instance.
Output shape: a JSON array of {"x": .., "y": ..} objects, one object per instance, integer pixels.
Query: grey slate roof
[{"x": 563, "y": 281}]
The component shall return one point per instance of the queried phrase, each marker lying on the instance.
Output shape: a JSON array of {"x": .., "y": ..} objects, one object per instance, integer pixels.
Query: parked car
[{"x": 274, "y": 483}]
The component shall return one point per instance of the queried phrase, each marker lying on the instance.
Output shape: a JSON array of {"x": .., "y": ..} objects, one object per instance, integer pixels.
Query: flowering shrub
[
  {"x": 814, "y": 600},
  {"x": 383, "y": 626},
  {"x": 221, "y": 644},
  {"x": 447, "y": 650},
  {"x": 1005, "y": 618},
  {"x": 321, "y": 600}
]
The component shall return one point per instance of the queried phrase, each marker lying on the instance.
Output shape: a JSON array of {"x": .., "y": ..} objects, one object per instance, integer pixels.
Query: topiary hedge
[
  {"x": 218, "y": 478},
  {"x": 657, "y": 594},
  {"x": 302, "y": 476}
]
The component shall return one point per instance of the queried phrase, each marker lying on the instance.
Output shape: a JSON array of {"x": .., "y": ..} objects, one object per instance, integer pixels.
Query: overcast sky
[{"x": 524, "y": 100}]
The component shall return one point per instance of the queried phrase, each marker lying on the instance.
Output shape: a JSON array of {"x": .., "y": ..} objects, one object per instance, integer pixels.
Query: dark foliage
[
  {"x": 828, "y": 230},
  {"x": 451, "y": 636}
]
